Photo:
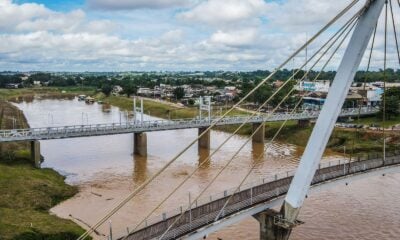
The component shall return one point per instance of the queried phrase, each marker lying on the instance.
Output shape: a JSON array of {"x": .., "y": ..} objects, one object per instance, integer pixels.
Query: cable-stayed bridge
[{"x": 358, "y": 25}]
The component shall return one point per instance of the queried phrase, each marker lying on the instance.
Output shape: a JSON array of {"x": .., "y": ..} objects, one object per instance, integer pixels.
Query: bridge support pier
[
  {"x": 303, "y": 123},
  {"x": 140, "y": 144},
  {"x": 204, "y": 141},
  {"x": 259, "y": 135},
  {"x": 269, "y": 230},
  {"x": 35, "y": 153}
]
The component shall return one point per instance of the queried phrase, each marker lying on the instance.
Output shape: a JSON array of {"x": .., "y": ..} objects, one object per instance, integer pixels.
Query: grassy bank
[
  {"x": 378, "y": 121},
  {"x": 9, "y": 94},
  {"x": 27, "y": 194},
  {"x": 157, "y": 109},
  {"x": 353, "y": 142}
]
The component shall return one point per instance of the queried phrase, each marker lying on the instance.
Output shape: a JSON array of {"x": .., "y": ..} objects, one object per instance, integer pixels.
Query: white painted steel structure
[
  {"x": 331, "y": 109},
  {"x": 73, "y": 131},
  {"x": 256, "y": 197}
]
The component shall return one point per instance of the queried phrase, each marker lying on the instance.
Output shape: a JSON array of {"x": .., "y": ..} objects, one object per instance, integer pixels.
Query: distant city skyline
[{"x": 165, "y": 35}]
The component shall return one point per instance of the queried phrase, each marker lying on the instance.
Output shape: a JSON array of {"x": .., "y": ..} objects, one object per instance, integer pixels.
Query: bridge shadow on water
[
  {"x": 140, "y": 169},
  {"x": 204, "y": 161}
]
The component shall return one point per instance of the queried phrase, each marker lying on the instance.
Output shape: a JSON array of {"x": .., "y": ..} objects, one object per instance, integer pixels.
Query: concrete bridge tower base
[
  {"x": 259, "y": 136},
  {"x": 269, "y": 230},
  {"x": 35, "y": 153},
  {"x": 140, "y": 144},
  {"x": 204, "y": 141}
]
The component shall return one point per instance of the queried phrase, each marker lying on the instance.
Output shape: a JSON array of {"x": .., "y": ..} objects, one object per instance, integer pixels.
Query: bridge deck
[
  {"x": 203, "y": 215},
  {"x": 156, "y": 125}
]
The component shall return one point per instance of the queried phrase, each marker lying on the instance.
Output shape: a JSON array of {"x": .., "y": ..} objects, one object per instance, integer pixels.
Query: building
[
  {"x": 12, "y": 85},
  {"x": 144, "y": 92},
  {"x": 315, "y": 86},
  {"x": 315, "y": 100},
  {"x": 372, "y": 95}
]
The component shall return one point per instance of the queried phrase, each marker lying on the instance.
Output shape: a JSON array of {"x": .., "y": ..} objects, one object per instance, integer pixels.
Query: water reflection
[
  {"x": 204, "y": 161},
  {"x": 257, "y": 152},
  {"x": 140, "y": 170}
]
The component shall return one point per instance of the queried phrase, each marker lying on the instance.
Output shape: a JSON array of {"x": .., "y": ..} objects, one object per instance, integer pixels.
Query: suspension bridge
[{"x": 353, "y": 28}]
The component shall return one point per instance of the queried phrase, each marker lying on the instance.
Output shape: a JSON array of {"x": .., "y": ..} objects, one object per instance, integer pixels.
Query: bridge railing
[
  {"x": 204, "y": 211},
  {"x": 153, "y": 125}
]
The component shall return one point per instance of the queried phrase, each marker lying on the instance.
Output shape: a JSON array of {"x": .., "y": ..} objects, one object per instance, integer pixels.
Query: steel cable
[
  {"x": 137, "y": 190},
  {"x": 342, "y": 30},
  {"x": 249, "y": 138}
]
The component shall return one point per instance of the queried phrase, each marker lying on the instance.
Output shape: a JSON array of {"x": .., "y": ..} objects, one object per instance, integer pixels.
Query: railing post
[
  {"x": 190, "y": 211},
  {"x": 251, "y": 195},
  {"x": 111, "y": 236}
]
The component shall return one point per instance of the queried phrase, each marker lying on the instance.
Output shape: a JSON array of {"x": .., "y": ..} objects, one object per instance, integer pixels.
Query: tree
[
  {"x": 262, "y": 94},
  {"x": 179, "y": 93},
  {"x": 106, "y": 89},
  {"x": 129, "y": 88},
  {"x": 392, "y": 105}
]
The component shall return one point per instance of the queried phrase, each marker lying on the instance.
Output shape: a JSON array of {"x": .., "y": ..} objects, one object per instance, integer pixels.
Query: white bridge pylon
[{"x": 331, "y": 110}]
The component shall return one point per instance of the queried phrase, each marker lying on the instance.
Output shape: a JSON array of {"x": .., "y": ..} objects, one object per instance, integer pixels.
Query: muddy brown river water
[{"x": 106, "y": 171}]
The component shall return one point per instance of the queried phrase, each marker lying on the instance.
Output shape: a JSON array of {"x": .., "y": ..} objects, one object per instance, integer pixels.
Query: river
[{"x": 106, "y": 171}]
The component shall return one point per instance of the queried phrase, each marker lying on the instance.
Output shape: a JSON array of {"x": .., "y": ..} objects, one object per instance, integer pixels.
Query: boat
[
  {"x": 89, "y": 100},
  {"x": 81, "y": 97}
]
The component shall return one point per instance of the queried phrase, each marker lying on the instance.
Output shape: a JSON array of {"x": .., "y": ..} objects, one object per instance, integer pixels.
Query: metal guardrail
[
  {"x": 155, "y": 125},
  {"x": 204, "y": 212}
]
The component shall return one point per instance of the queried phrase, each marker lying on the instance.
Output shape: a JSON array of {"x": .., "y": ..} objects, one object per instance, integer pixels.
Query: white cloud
[
  {"x": 135, "y": 4},
  {"x": 212, "y": 35},
  {"x": 31, "y": 17},
  {"x": 238, "y": 38},
  {"x": 225, "y": 12}
]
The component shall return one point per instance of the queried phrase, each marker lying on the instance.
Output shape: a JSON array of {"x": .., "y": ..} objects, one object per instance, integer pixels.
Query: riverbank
[
  {"x": 26, "y": 193},
  {"x": 158, "y": 108},
  {"x": 9, "y": 94}
]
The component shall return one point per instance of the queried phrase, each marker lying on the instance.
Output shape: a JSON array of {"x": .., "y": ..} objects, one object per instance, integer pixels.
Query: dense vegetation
[{"x": 151, "y": 79}]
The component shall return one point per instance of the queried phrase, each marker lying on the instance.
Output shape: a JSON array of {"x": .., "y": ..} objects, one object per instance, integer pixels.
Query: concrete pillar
[
  {"x": 268, "y": 229},
  {"x": 204, "y": 141},
  {"x": 140, "y": 144},
  {"x": 303, "y": 123},
  {"x": 35, "y": 153},
  {"x": 259, "y": 136}
]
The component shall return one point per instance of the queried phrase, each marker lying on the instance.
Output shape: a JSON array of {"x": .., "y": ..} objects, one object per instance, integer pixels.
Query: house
[
  {"x": 37, "y": 83},
  {"x": 12, "y": 85},
  {"x": 278, "y": 83},
  {"x": 144, "y": 92}
]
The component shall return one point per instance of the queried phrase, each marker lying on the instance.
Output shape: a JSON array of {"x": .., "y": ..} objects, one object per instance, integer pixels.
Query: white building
[{"x": 317, "y": 86}]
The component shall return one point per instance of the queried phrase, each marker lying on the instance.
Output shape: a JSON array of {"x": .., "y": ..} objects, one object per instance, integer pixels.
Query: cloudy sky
[{"x": 111, "y": 35}]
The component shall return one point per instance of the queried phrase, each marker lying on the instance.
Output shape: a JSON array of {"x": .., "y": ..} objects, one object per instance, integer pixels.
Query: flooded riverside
[{"x": 106, "y": 171}]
